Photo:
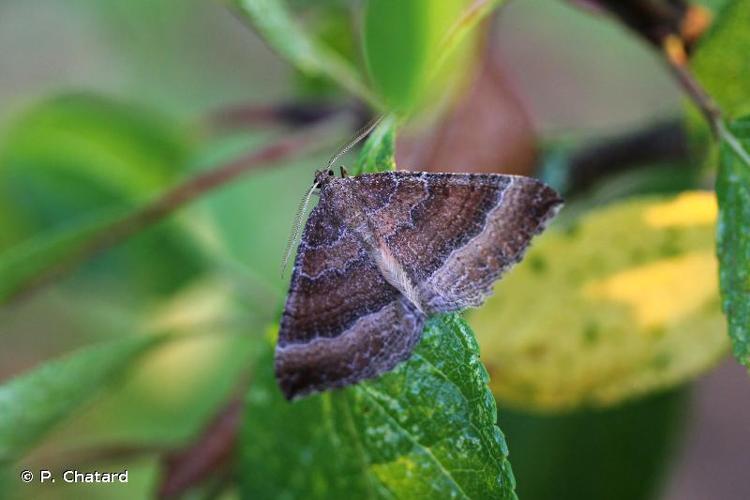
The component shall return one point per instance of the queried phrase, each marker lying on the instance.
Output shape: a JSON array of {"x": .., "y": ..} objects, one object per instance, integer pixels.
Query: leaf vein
[{"x": 426, "y": 449}]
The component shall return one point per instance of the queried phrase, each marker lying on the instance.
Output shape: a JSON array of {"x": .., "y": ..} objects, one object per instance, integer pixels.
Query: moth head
[{"x": 323, "y": 177}]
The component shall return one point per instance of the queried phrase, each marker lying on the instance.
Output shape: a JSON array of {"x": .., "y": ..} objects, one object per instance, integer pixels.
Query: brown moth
[{"x": 381, "y": 252}]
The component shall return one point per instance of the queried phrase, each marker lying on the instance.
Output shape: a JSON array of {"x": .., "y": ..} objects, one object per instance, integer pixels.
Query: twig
[
  {"x": 294, "y": 114},
  {"x": 696, "y": 93},
  {"x": 708, "y": 107},
  {"x": 673, "y": 27},
  {"x": 651, "y": 19},
  {"x": 97, "y": 455},
  {"x": 175, "y": 198},
  {"x": 662, "y": 142},
  {"x": 206, "y": 457}
]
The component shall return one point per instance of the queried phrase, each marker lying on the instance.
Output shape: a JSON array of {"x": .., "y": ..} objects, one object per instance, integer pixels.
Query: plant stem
[
  {"x": 660, "y": 23},
  {"x": 292, "y": 145},
  {"x": 697, "y": 94},
  {"x": 97, "y": 455},
  {"x": 708, "y": 107},
  {"x": 210, "y": 453},
  {"x": 731, "y": 140},
  {"x": 663, "y": 142},
  {"x": 293, "y": 114}
]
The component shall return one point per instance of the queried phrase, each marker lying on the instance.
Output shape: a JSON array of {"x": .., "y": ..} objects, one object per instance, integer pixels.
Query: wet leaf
[
  {"x": 733, "y": 238},
  {"x": 622, "y": 303},
  {"x": 32, "y": 403},
  {"x": 425, "y": 430}
]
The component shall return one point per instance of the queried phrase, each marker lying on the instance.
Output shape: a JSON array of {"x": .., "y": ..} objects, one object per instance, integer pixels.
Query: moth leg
[{"x": 344, "y": 173}]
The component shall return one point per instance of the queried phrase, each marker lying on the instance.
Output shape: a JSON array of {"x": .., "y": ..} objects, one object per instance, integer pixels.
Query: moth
[{"x": 381, "y": 252}]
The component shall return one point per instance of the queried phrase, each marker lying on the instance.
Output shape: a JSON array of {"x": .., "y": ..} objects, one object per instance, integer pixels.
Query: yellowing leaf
[
  {"x": 688, "y": 209},
  {"x": 621, "y": 304},
  {"x": 656, "y": 292}
]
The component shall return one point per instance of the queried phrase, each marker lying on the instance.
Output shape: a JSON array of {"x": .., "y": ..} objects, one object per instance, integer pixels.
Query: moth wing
[
  {"x": 342, "y": 321},
  {"x": 451, "y": 236}
]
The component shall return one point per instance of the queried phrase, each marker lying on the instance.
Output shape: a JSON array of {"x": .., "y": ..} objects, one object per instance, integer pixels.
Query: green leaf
[
  {"x": 714, "y": 6},
  {"x": 330, "y": 23},
  {"x": 622, "y": 303},
  {"x": 425, "y": 430},
  {"x": 721, "y": 62},
  {"x": 733, "y": 235},
  {"x": 160, "y": 402},
  {"x": 472, "y": 14},
  {"x": 67, "y": 164},
  {"x": 83, "y": 150},
  {"x": 414, "y": 48},
  {"x": 273, "y": 21},
  {"x": 378, "y": 153},
  {"x": 32, "y": 403},
  {"x": 23, "y": 265}
]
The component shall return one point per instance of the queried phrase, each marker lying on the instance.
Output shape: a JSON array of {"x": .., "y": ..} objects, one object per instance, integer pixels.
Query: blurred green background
[{"x": 103, "y": 105}]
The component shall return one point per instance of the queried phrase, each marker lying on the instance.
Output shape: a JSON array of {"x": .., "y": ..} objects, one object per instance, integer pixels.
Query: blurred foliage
[
  {"x": 215, "y": 334},
  {"x": 274, "y": 22},
  {"x": 70, "y": 165},
  {"x": 208, "y": 330},
  {"x": 89, "y": 150},
  {"x": 733, "y": 189},
  {"x": 22, "y": 266},
  {"x": 424, "y": 430},
  {"x": 613, "y": 306},
  {"x": 721, "y": 62},
  {"x": 599, "y": 312},
  {"x": 32, "y": 403},
  {"x": 584, "y": 454},
  {"x": 716, "y": 7},
  {"x": 403, "y": 45},
  {"x": 245, "y": 224},
  {"x": 334, "y": 24}
]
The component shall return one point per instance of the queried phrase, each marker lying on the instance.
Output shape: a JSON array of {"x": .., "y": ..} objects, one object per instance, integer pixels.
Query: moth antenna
[
  {"x": 361, "y": 134},
  {"x": 297, "y": 226}
]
